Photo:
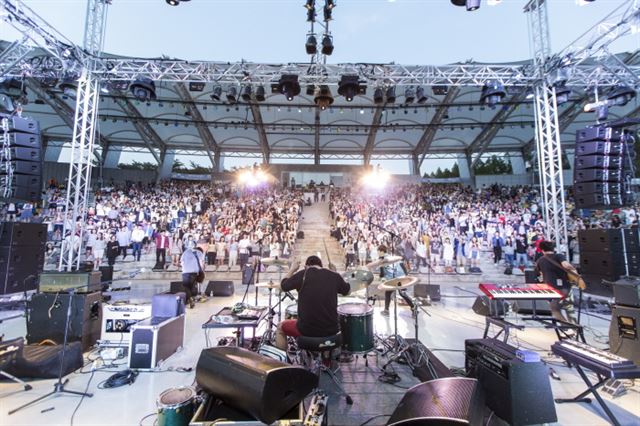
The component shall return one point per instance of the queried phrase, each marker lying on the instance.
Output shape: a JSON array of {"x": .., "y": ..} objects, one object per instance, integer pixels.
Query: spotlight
[
  {"x": 621, "y": 94},
  {"x": 327, "y": 45},
  {"x": 391, "y": 94},
  {"x": 420, "y": 95},
  {"x": 323, "y": 97},
  {"x": 492, "y": 93},
  {"x": 260, "y": 93},
  {"x": 143, "y": 89},
  {"x": 232, "y": 93},
  {"x": 409, "y": 95},
  {"x": 349, "y": 87},
  {"x": 287, "y": 85},
  {"x": 311, "y": 45},
  {"x": 562, "y": 94},
  {"x": 378, "y": 96},
  {"x": 217, "y": 92},
  {"x": 459, "y": 2},
  {"x": 473, "y": 5},
  {"x": 246, "y": 93},
  {"x": 69, "y": 86},
  {"x": 173, "y": 2}
]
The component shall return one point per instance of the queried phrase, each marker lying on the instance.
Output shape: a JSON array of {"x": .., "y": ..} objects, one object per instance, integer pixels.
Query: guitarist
[{"x": 556, "y": 272}]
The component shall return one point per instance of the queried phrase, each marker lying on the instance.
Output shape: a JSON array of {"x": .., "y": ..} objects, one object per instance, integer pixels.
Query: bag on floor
[{"x": 508, "y": 270}]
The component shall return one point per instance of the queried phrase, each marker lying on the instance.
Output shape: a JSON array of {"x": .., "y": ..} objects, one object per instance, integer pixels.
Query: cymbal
[
  {"x": 268, "y": 284},
  {"x": 388, "y": 260},
  {"x": 398, "y": 283},
  {"x": 274, "y": 261}
]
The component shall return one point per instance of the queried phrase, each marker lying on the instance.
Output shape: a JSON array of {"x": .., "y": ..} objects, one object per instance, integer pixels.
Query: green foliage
[
  {"x": 137, "y": 165},
  {"x": 494, "y": 165},
  {"x": 446, "y": 173},
  {"x": 192, "y": 169}
]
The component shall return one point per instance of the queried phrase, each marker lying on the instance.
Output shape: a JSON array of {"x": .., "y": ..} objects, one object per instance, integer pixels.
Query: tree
[
  {"x": 494, "y": 165},
  {"x": 136, "y": 165},
  {"x": 455, "y": 170},
  {"x": 178, "y": 166}
]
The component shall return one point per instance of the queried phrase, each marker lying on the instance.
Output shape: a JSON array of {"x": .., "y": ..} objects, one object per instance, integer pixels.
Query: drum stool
[{"x": 320, "y": 350}]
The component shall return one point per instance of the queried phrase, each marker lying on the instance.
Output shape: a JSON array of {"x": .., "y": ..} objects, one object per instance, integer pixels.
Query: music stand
[{"x": 58, "y": 387}]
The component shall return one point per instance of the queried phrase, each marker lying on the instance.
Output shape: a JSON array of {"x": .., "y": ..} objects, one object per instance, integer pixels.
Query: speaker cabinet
[
  {"x": 22, "y": 124},
  {"x": 220, "y": 288},
  {"x": 623, "y": 332},
  {"x": 448, "y": 401},
  {"x": 488, "y": 308},
  {"x": 19, "y": 268},
  {"x": 431, "y": 291},
  {"x": 599, "y": 162},
  {"x": 526, "y": 307},
  {"x": 47, "y": 316},
  {"x": 600, "y": 240},
  {"x": 250, "y": 382},
  {"x": 23, "y": 234}
]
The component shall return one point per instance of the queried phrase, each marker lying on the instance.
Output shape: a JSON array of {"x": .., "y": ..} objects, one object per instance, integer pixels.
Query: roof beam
[
  {"x": 483, "y": 140},
  {"x": 373, "y": 131},
  {"x": 210, "y": 144},
  {"x": 149, "y": 136},
  {"x": 316, "y": 138},
  {"x": 430, "y": 132},
  {"x": 262, "y": 134}
]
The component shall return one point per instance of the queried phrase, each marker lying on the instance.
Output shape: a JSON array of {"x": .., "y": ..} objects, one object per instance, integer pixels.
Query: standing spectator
[
  {"x": 137, "y": 236},
  {"x": 362, "y": 251},
  {"x": 436, "y": 251},
  {"x": 244, "y": 246},
  {"x": 124, "y": 239},
  {"x": 113, "y": 248},
  {"x": 162, "y": 243},
  {"x": 497, "y": 242},
  {"x": 176, "y": 249},
  {"x": 221, "y": 249},
  {"x": 233, "y": 252},
  {"x": 191, "y": 261},
  {"x": 447, "y": 252},
  {"x": 509, "y": 251},
  {"x": 99, "y": 245},
  {"x": 211, "y": 251},
  {"x": 521, "y": 251},
  {"x": 350, "y": 251}
]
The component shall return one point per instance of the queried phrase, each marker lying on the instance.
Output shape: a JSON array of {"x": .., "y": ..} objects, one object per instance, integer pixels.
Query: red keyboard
[{"x": 527, "y": 292}]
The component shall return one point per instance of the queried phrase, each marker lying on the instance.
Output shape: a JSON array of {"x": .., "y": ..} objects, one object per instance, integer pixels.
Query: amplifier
[
  {"x": 81, "y": 282},
  {"x": 117, "y": 320},
  {"x": 599, "y": 147},
  {"x": 598, "y": 175},
  {"x": 518, "y": 392},
  {"x": 22, "y": 124},
  {"x": 153, "y": 340},
  {"x": 599, "y": 162},
  {"x": 598, "y": 133},
  {"x": 626, "y": 291},
  {"x": 624, "y": 335}
]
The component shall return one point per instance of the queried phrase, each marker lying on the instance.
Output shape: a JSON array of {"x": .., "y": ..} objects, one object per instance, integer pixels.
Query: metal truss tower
[
  {"x": 84, "y": 131},
  {"x": 547, "y": 136}
]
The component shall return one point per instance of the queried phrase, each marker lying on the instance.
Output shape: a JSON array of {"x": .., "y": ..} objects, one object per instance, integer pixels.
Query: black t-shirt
[
  {"x": 317, "y": 300},
  {"x": 551, "y": 273}
]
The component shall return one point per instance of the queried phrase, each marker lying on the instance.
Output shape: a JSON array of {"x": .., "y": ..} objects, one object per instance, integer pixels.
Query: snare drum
[
  {"x": 176, "y": 406},
  {"x": 356, "y": 323},
  {"x": 291, "y": 312}
]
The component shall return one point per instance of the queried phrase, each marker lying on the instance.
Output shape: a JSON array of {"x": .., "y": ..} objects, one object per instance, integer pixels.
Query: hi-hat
[
  {"x": 398, "y": 283},
  {"x": 268, "y": 284},
  {"x": 274, "y": 261},
  {"x": 388, "y": 260}
]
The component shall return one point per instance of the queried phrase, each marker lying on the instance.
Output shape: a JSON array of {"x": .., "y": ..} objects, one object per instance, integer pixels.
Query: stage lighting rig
[
  {"x": 391, "y": 94},
  {"x": 409, "y": 95},
  {"x": 420, "y": 95},
  {"x": 232, "y": 95},
  {"x": 471, "y": 5},
  {"x": 246, "y": 93},
  {"x": 350, "y": 86},
  {"x": 492, "y": 93},
  {"x": 216, "y": 93},
  {"x": 143, "y": 89},
  {"x": 329, "y": 5},
  {"x": 311, "y": 45},
  {"x": 621, "y": 95},
  {"x": 562, "y": 94},
  {"x": 323, "y": 97},
  {"x": 260, "y": 94},
  {"x": 69, "y": 85},
  {"x": 327, "y": 45},
  {"x": 288, "y": 85},
  {"x": 378, "y": 96},
  {"x": 175, "y": 2}
]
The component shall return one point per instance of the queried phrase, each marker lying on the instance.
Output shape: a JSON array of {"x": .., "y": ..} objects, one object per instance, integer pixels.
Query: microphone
[{"x": 405, "y": 296}]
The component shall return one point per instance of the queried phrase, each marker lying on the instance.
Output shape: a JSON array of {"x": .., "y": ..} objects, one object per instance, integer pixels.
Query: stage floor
[{"x": 451, "y": 321}]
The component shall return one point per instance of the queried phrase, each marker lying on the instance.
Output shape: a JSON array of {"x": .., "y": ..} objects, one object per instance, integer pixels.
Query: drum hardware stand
[{"x": 58, "y": 387}]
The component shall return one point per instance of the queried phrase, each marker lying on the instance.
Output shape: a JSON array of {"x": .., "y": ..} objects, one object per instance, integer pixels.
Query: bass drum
[
  {"x": 356, "y": 323},
  {"x": 176, "y": 406}
]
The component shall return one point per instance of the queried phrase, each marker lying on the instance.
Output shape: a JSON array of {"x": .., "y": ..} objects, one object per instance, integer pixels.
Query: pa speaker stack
[
  {"x": 21, "y": 255},
  {"x": 601, "y": 170},
  {"x": 608, "y": 254},
  {"x": 20, "y": 159}
]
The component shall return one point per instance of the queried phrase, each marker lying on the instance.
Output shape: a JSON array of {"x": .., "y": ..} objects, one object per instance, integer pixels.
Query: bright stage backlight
[{"x": 377, "y": 178}]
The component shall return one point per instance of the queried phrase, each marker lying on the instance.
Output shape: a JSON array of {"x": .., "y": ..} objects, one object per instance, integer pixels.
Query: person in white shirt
[{"x": 137, "y": 235}]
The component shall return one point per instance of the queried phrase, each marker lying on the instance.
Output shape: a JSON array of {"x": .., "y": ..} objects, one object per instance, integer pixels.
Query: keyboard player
[{"x": 553, "y": 268}]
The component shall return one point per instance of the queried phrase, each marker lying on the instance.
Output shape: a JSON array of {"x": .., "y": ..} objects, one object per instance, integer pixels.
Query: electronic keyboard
[{"x": 528, "y": 292}]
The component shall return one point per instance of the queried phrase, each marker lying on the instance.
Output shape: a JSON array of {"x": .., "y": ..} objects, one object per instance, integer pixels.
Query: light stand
[{"x": 58, "y": 387}]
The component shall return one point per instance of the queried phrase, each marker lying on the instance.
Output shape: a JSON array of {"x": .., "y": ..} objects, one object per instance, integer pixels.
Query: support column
[
  {"x": 517, "y": 164},
  {"x": 463, "y": 166},
  {"x": 52, "y": 153},
  {"x": 571, "y": 157},
  {"x": 414, "y": 166},
  {"x": 167, "y": 165},
  {"x": 219, "y": 166},
  {"x": 112, "y": 159}
]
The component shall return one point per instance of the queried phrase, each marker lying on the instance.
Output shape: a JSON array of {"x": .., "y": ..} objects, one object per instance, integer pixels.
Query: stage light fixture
[
  {"x": 391, "y": 94},
  {"x": 69, "y": 86},
  {"x": 621, "y": 94},
  {"x": 349, "y": 87},
  {"x": 459, "y": 2},
  {"x": 260, "y": 93},
  {"x": 143, "y": 89},
  {"x": 232, "y": 93},
  {"x": 562, "y": 94},
  {"x": 311, "y": 46},
  {"x": 378, "y": 96},
  {"x": 216, "y": 93},
  {"x": 246, "y": 93},
  {"x": 472, "y": 5},
  {"x": 173, "y": 2},
  {"x": 327, "y": 45},
  {"x": 288, "y": 85},
  {"x": 420, "y": 95},
  {"x": 492, "y": 93},
  {"x": 196, "y": 86},
  {"x": 323, "y": 97},
  {"x": 409, "y": 95}
]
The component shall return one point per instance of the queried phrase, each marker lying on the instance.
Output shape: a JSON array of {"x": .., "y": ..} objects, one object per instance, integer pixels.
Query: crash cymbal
[
  {"x": 398, "y": 283},
  {"x": 268, "y": 284},
  {"x": 358, "y": 278},
  {"x": 274, "y": 261},
  {"x": 388, "y": 260}
]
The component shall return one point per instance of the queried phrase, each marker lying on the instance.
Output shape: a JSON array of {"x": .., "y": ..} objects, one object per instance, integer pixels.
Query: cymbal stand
[{"x": 268, "y": 335}]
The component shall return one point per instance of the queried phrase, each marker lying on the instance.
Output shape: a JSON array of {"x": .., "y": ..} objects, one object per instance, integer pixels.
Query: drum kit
[{"x": 282, "y": 296}]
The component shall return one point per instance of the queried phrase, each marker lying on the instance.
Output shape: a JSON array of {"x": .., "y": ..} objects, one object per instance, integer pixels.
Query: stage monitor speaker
[
  {"x": 488, "y": 308},
  {"x": 626, "y": 292},
  {"x": 23, "y": 234},
  {"x": 261, "y": 386},
  {"x": 431, "y": 291},
  {"x": 43, "y": 361},
  {"x": 220, "y": 288},
  {"x": 597, "y": 285},
  {"x": 47, "y": 316},
  {"x": 624, "y": 339},
  {"x": 598, "y": 175},
  {"x": 599, "y": 147},
  {"x": 19, "y": 268},
  {"x": 176, "y": 287},
  {"x": 449, "y": 401},
  {"x": 106, "y": 274}
]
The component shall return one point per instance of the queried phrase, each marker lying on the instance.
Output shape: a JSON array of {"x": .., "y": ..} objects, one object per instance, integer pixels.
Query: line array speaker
[{"x": 21, "y": 160}]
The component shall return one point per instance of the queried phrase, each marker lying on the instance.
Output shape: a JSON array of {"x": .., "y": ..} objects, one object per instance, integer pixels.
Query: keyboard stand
[
  {"x": 505, "y": 327},
  {"x": 593, "y": 389},
  {"x": 561, "y": 328}
]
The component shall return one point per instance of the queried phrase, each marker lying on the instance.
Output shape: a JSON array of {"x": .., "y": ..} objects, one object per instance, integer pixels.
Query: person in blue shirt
[
  {"x": 497, "y": 242},
  {"x": 387, "y": 272}
]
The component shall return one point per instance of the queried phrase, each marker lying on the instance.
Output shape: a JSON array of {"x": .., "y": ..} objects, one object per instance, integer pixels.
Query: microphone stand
[{"x": 58, "y": 387}]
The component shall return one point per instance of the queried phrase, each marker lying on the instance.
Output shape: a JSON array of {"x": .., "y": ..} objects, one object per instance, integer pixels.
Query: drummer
[
  {"x": 387, "y": 272},
  {"x": 318, "y": 290}
]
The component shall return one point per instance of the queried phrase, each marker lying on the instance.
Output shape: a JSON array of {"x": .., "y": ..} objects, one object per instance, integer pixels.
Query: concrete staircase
[{"x": 315, "y": 224}]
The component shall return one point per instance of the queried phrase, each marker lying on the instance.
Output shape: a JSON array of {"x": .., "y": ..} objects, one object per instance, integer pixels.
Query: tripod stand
[{"x": 58, "y": 387}]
